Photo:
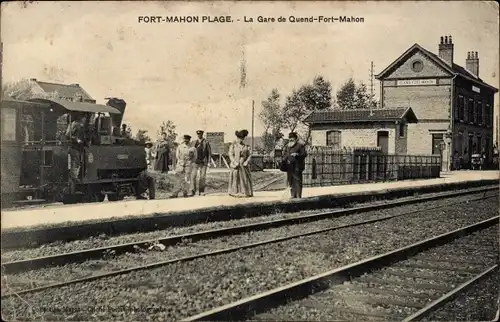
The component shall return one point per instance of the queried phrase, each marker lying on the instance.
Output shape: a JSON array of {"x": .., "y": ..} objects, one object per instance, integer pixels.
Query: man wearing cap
[
  {"x": 294, "y": 156},
  {"x": 185, "y": 156},
  {"x": 76, "y": 134},
  {"x": 203, "y": 155}
]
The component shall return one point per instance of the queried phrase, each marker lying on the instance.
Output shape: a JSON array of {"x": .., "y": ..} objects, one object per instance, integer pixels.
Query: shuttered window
[
  {"x": 470, "y": 110},
  {"x": 479, "y": 113}
]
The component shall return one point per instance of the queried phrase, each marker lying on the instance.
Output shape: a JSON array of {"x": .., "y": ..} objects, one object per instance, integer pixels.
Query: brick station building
[
  {"x": 453, "y": 105},
  {"x": 451, "y": 109}
]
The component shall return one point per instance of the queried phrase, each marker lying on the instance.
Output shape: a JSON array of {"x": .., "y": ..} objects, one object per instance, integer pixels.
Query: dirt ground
[{"x": 217, "y": 181}]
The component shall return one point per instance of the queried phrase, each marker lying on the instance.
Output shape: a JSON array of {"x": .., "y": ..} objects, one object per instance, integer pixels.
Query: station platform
[{"x": 62, "y": 214}]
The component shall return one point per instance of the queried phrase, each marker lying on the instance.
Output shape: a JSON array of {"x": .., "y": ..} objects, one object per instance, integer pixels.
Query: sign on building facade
[
  {"x": 476, "y": 89},
  {"x": 216, "y": 140},
  {"x": 416, "y": 82}
]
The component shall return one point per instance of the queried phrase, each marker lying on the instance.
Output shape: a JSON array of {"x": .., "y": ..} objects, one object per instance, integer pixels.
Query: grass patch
[{"x": 216, "y": 182}]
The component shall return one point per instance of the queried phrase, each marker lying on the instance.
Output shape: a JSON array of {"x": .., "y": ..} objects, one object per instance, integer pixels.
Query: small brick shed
[{"x": 385, "y": 128}]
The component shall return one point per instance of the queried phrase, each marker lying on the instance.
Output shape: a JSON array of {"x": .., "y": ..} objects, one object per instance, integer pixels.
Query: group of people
[
  {"x": 465, "y": 160},
  {"x": 192, "y": 161}
]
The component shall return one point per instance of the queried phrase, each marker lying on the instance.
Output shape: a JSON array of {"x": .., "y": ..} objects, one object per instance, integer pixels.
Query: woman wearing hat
[
  {"x": 240, "y": 180},
  {"x": 162, "y": 154}
]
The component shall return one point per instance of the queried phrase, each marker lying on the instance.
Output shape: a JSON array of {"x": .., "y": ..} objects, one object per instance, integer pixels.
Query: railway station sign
[
  {"x": 416, "y": 82},
  {"x": 216, "y": 140},
  {"x": 476, "y": 89}
]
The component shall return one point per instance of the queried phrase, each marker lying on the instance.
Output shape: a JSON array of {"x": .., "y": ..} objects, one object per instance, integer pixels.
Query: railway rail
[
  {"x": 394, "y": 274},
  {"x": 16, "y": 238},
  {"x": 81, "y": 256},
  {"x": 84, "y": 255}
]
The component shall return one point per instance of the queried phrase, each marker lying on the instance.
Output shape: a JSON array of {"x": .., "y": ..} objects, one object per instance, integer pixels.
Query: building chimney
[
  {"x": 446, "y": 50},
  {"x": 75, "y": 85},
  {"x": 472, "y": 63}
]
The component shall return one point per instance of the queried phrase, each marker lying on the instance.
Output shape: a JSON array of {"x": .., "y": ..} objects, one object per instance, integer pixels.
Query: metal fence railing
[{"x": 326, "y": 167}]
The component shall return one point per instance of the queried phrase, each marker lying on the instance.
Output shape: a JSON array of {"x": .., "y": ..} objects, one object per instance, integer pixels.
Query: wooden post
[{"x": 253, "y": 123}]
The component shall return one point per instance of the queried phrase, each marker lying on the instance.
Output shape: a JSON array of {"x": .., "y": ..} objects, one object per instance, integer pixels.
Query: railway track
[
  {"x": 406, "y": 284},
  {"x": 82, "y": 256}
]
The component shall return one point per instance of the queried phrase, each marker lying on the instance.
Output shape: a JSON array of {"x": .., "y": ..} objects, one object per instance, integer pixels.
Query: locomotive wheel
[{"x": 97, "y": 197}]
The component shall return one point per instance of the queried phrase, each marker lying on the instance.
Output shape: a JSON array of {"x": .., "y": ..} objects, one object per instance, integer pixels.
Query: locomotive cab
[{"x": 110, "y": 165}]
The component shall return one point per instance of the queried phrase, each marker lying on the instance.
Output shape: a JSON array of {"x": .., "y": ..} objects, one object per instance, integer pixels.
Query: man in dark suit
[{"x": 294, "y": 156}]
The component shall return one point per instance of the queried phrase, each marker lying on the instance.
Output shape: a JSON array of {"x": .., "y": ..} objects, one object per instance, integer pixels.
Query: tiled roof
[
  {"x": 458, "y": 69},
  {"x": 360, "y": 115},
  {"x": 454, "y": 69},
  {"x": 64, "y": 91}
]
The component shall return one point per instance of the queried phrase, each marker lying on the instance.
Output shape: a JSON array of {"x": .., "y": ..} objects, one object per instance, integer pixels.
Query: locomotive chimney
[
  {"x": 120, "y": 105},
  {"x": 446, "y": 50}
]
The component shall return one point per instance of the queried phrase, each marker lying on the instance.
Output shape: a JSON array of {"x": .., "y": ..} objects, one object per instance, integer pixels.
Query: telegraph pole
[
  {"x": 253, "y": 123},
  {"x": 371, "y": 88},
  {"x": 243, "y": 83}
]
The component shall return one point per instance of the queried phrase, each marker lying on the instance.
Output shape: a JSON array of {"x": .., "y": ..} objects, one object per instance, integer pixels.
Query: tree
[
  {"x": 352, "y": 96},
  {"x": 295, "y": 108},
  {"x": 142, "y": 136},
  {"x": 362, "y": 98},
  {"x": 346, "y": 95},
  {"x": 169, "y": 128},
  {"x": 269, "y": 141},
  {"x": 272, "y": 119},
  {"x": 322, "y": 93},
  {"x": 309, "y": 97}
]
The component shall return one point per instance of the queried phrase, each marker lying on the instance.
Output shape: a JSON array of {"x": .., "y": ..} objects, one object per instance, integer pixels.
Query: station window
[
  {"x": 470, "y": 110},
  {"x": 334, "y": 139},
  {"x": 487, "y": 115},
  {"x": 402, "y": 130},
  {"x": 461, "y": 108},
  {"x": 479, "y": 113}
]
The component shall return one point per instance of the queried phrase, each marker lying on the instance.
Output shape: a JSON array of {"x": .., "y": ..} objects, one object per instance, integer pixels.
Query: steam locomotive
[{"x": 36, "y": 159}]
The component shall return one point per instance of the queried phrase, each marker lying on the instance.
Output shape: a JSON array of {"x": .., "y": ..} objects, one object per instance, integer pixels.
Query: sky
[{"x": 190, "y": 73}]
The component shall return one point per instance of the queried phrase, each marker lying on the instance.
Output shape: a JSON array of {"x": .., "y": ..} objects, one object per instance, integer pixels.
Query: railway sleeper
[
  {"x": 427, "y": 286},
  {"x": 411, "y": 275},
  {"x": 433, "y": 266}
]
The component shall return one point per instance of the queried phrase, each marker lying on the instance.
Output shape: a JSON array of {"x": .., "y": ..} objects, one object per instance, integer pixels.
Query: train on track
[{"x": 36, "y": 159}]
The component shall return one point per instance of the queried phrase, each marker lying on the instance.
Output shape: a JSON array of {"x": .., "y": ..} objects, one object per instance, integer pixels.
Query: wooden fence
[{"x": 327, "y": 167}]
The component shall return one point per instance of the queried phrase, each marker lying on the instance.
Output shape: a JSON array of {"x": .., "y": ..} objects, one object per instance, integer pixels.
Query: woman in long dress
[
  {"x": 240, "y": 180},
  {"x": 162, "y": 155}
]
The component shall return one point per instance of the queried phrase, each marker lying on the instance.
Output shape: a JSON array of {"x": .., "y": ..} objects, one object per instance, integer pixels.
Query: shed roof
[
  {"x": 362, "y": 115},
  {"x": 15, "y": 103},
  {"x": 79, "y": 106}
]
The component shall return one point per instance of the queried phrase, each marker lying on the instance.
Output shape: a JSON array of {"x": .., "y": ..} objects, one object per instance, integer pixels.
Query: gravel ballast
[
  {"x": 108, "y": 264},
  {"x": 479, "y": 303},
  {"x": 396, "y": 292},
  {"x": 105, "y": 241},
  {"x": 186, "y": 288}
]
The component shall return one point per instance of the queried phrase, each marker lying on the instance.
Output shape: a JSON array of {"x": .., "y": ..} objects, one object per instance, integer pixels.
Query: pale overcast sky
[{"x": 189, "y": 73}]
